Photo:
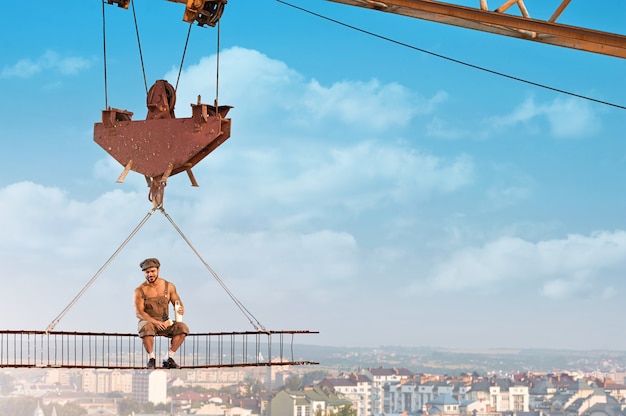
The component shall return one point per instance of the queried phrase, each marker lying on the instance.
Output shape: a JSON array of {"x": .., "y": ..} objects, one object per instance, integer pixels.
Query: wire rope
[
  {"x": 104, "y": 52},
  {"x": 182, "y": 59},
  {"x": 56, "y": 320},
  {"x": 251, "y": 318},
  {"x": 143, "y": 68},
  {"x": 217, "y": 66},
  {"x": 255, "y": 323},
  {"x": 480, "y": 68}
]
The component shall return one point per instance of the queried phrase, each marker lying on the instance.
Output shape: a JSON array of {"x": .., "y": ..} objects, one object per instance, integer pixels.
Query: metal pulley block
[{"x": 162, "y": 145}]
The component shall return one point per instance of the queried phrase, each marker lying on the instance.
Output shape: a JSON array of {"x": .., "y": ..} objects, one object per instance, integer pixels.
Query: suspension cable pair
[
  {"x": 140, "y": 50},
  {"x": 158, "y": 184},
  {"x": 253, "y": 321}
]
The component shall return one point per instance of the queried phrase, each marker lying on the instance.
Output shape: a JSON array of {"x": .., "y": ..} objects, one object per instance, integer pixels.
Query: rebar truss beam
[
  {"x": 519, "y": 26},
  {"x": 41, "y": 349}
]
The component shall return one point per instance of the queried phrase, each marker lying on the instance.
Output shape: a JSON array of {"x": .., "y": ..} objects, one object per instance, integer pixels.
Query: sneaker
[
  {"x": 151, "y": 363},
  {"x": 169, "y": 363}
]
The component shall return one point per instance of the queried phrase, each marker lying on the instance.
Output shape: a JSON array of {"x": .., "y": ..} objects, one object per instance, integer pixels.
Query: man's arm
[{"x": 174, "y": 297}]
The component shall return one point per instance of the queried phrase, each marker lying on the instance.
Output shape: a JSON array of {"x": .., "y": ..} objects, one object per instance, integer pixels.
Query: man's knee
[
  {"x": 180, "y": 328},
  {"x": 146, "y": 329}
]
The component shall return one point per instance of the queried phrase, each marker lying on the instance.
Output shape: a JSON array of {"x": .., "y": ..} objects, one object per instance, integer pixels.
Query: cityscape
[{"x": 381, "y": 381}]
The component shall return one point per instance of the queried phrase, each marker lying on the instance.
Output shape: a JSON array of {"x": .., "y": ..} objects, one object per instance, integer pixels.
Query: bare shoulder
[{"x": 138, "y": 292}]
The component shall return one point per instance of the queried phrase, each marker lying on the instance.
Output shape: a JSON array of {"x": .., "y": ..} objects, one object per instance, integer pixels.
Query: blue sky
[{"x": 375, "y": 193}]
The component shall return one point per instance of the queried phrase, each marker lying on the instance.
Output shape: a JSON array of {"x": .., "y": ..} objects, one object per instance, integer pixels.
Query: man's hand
[{"x": 163, "y": 325}]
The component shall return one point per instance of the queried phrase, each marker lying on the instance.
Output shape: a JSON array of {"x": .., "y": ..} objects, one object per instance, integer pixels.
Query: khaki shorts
[{"x": 147, "y": 329}]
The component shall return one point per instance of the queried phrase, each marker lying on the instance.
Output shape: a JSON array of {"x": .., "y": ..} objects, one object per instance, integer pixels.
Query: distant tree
[
  {"x": 23, "y": 406},
  {"x": 258, "y": 389},
  {"x": 6, "y": 384},
  {"x": 68, "y": 409},
  {"x": 310, "y": 378},
  {"x": 344, "y": 411},
  {"x": 176, "y": 390},
  {"x": 162, "y": 408},
  {"x": 293, "y": 383},
  {"x": 247, "y": 387},
  {"x": 347, "y": 410},
  {"x": 127, "y": 407},
  {"x": 147, "y": 407}
]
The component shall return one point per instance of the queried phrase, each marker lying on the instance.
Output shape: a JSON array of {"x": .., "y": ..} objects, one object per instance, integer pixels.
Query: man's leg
[
  {"x": 146, "y": 332},
  {"x": 148, "y": 343},
  {"x": 177, "y": 341}
]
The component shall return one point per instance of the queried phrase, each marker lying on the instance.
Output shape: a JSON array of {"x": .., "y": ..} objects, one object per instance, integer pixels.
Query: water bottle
[{"x": 177, "y": 315}]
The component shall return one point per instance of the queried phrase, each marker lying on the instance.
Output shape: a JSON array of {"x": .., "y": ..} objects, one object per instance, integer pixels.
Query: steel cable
[
  {"x": 255, "y": 323},
  {"x": 536, "y": 84},
  {"x": 143, "y": 68},
  {"x": 56, "y": 320}
]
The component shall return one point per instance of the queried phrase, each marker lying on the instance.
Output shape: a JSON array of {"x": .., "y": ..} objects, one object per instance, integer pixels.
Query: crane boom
[{"x": 523, "y": 26}]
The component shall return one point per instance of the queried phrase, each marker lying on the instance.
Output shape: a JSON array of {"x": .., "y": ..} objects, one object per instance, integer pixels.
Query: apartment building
[
  {"x": 502, "y": 395},
  {"x": 102, "y": 381},
  {"x": 355, "y": 387},
  {"x": 413, "y": 395},
  {"x": 150, "y": 386},
  {"x": 380, "y": 376}
]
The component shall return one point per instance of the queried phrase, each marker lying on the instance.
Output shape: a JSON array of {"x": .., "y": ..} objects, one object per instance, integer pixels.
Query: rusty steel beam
[
  {"x": 522, "y": 27},
  {"x": 59, "y": 349}
]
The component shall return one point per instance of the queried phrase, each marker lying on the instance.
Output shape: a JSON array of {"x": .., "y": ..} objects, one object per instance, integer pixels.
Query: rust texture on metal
[
  {"x": 162, "y": 145},
  {"x": 120, "y": 3},
  {"x": 497, "y": 22},
  {"x": 203, "y": 12}
]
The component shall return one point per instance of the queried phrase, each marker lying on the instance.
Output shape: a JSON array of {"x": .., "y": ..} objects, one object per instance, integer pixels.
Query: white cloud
[
  {"x": 442, "y": 129},
  {"x": 578, "y": 265},
  {"x": 283, "y": 156},
  {"x": 571, "y": 118},
  {"x": 263, "y": 86},
  {"x": 368, "y": 104},
  {"x": 565, "y": 118},
  {"x": 510, "y": 186},
  {"x": 50, "y": 238},
  {"x": 309, "y": 206},
  {"x": 50, "y": 60}
]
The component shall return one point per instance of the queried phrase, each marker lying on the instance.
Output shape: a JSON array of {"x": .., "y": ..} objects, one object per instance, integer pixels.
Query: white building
[
  {"x": 380, "y": 377},
  {"x": 150, "y": 386},
  {"x": 101, "y": 381},
  {"x": 412, "y": 396},
  {"x": 501, "y": 395},
  {"x": 355, "y": 387}
]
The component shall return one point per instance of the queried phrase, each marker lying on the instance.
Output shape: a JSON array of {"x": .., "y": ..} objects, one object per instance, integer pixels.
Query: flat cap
[{"x": 151, "y": 262}]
